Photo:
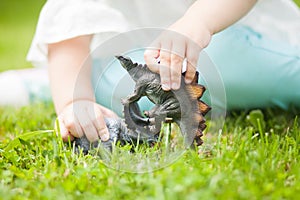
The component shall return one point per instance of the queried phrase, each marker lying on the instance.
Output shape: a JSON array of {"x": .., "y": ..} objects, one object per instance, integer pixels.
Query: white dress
[{"x": 60, "y": 20}]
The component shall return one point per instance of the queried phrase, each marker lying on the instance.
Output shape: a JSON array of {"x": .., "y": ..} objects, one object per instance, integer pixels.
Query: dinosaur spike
[
  {"x": 199, "y": 133},
  {"x": 195, "y": 91},
  {"x": 204, "y": 108},
  {"x": 195, "y": 79},
  {"x": 198, "y": 139},
  {"x": 199, "y": 118},
  {"x": 202, "y": 126}
]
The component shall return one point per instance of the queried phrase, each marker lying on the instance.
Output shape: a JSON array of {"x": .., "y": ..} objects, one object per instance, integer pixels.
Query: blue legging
[{"x": 257, "y": 72}]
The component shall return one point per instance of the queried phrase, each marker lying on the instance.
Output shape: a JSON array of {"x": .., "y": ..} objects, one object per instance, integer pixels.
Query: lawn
[
  {"x": 244, "y": 160},
  {"x": 255, "y": 155}
]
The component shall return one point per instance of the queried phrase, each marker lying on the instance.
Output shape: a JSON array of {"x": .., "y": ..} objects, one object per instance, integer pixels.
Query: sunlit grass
[{"x": 241, "y": 161}]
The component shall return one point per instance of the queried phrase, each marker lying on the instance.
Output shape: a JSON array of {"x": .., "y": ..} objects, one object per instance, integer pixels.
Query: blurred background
[{"x": 18, "y": 19}]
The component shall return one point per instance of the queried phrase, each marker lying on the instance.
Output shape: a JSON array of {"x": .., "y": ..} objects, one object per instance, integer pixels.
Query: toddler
[{"x": 255, "y": 46}]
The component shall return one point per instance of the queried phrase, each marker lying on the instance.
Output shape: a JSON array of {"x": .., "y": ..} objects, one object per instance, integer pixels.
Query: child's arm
[
  {"x": 194, "y": 30},
  {"x": 72, "y": 92}
]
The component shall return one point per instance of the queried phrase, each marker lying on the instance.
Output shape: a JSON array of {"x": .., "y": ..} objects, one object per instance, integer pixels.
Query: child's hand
[
  {"x": 183, "y": 40},
  {"x": 199, "y": 23},
  {"x": 84, "y": 117}
]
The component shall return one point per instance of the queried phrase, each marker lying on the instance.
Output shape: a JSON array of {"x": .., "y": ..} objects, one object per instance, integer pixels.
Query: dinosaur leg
[
  {"x": 138, "y": 93},
  {"x": 151, "y": 113},
  {"x": 169, "y": 109}
]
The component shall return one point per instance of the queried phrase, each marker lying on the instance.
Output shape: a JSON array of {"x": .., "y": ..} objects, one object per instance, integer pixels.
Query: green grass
[
  {"x": 254, "y": 156},
  {"x": 247, "y": 159}
]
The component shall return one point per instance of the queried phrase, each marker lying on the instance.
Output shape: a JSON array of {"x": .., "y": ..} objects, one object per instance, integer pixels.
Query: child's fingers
[
  {"x": 164, "y": 68},
  {"x": 71, "y": 123},
  {"x": 63, "y": 131},
  {"x": 87, "y": 125},
  {"x": 172, "y": 50},
  {"x": 176, "y": 67},
  {"x": 84, "y": 118},
  {"x": 150, "y": 56},
  {"x": 97, "y": 119},
  {"x": 177, "y": 56},
  {"x": 192, "y": 55}
]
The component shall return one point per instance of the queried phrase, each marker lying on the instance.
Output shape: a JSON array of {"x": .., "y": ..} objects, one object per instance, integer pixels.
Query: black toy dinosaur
[{"x": 183, "y": 106}]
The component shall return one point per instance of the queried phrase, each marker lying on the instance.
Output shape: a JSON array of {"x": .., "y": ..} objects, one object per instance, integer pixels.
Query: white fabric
[
  {"x": 12, "y": 89},
  {"x": 64, "y": 19}
]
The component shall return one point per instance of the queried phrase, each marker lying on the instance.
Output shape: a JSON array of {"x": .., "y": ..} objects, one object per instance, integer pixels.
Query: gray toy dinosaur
[{"x": 182, "y": 106}]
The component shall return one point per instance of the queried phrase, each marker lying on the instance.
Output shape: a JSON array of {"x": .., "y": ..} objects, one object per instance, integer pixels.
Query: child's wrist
[{"x": 199, "y": 32}]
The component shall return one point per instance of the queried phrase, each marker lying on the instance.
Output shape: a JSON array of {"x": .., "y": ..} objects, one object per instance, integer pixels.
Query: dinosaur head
[{"x": 126, "y": 63}]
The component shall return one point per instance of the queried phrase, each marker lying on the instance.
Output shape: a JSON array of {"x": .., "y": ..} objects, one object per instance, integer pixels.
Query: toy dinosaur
[
  {"x": 117, "y": 132},
  {"x": 182, "y": 106}
]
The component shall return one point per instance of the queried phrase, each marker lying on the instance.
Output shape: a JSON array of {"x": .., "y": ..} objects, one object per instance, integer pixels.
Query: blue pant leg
[{"x": 256, "y": 71}]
